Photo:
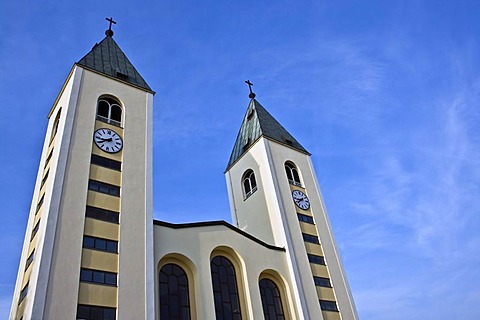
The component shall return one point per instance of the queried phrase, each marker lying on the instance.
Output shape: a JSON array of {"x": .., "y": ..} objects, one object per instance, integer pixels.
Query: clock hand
[{"x": 105, "y": 140}]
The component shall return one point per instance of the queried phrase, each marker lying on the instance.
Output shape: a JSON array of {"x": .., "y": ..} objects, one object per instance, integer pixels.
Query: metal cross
[
  {"x": 251, "y": 95},
  {"x": 111, "y": 21},
  {"x": 249, "y": 85}
]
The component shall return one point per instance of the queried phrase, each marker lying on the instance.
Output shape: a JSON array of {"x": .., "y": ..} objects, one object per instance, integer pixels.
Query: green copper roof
[
  {"x": 257, "y": 123},
  {"x": 107, "y": 58}
]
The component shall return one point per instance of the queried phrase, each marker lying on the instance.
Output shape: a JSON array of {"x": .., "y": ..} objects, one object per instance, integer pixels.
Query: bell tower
[
  {"x": 88, "y": 246},
  {"x": 274, "y": 195}
]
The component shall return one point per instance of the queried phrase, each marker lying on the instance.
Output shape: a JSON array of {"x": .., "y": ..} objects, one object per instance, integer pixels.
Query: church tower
[
  {"x": 88, "y": 247},
  {"x": 274, "y": 195}
]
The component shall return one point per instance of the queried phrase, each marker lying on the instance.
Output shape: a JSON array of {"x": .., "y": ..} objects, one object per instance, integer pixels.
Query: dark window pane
[
  {"x": 96, "y": 313},
  {"x": 103, "y": 108},
  {"x": 98, "y": 277},
  {"x": 116, "y": 113},
  {"x": 328, "y": 305},
  {"x": 225, "y": 289},
  {"x": 83, "y": 312},
  {"x": 174, "y": 299},
  {"x": 271, "y": 301},
  {"x": 112, "y": 246},
  {"x": 110, "y": 278},
  {"x": 253, "y": 181},
  {"x": 106, "y": 162},
  {"x": 109, "y": 314},
  {"x": 316, "y": 259},
  {"x": 310, "y": 238},
  {"x": 102, "y": 214},
  {"x": 100, "y": 244},
  {"x": 86, "y": 275},
  {"x": 322, "y": 282},
  {"x": 88, "y": 242},
  {"x": 305, "y": 218}
]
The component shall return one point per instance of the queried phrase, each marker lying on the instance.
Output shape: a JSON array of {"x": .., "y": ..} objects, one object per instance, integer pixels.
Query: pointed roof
[
  {"x": 257, "y": 123},
  {"x": 107, "y": 58}
]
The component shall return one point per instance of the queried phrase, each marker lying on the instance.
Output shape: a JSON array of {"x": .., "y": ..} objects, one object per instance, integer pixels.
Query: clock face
[
  {"x": 108, "y": 140},
  {"x": 301, "y": 199}
]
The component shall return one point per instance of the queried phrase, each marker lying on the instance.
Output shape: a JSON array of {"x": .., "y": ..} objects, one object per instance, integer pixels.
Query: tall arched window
[
  {"x": 225, "y": 289},
  {"x": 292, "y": 174},
  {"x": 174, "y": 299},
  {"x": 271, "y": 300},
  {"x": 110, "y": 111},
  {"x": 249, "y": 183}
]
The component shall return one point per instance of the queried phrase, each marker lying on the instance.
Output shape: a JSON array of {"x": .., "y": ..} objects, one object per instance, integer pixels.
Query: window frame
[
  {"x": 102, "y": 214},
  {"x": 293, "y": 174},
  {"x": 111, "y": 102},
  {"x": 310, "y": 238},
  {"x": 97, "y": 186},
  {"x": 322, "y": 282},
  {"x": 94, "y": 272},
  {"x": 277, "y": 300},
  {"x": 99, "y": 247},
  {"x": 305, "y": 218},
  {"x": 219, "y": 303},
  {"x": 328, "y": 305},
  {"x": 90, "y": 307},
  {"x": 106, "y": 162},
  {"x": 181, "y": 288},
  {"x": 316, "y": 259},
  {"x": 249, "y": 177}
]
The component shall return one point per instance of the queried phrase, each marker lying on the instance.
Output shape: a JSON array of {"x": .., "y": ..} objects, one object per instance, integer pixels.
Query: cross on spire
[
  {"x": 109, "y": 32},
  {"x": 251, "y": 95}
]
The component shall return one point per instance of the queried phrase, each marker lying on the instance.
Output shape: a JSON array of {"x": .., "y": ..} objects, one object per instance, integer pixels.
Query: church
[{"x": 93, "y": 251}]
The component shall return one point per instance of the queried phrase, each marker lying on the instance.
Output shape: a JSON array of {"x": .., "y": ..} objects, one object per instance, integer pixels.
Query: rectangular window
[
  {"x": 23, "y": 293},
  {"x": 104, "y": 188},
  {"x": 39, "y": 204},
  {"x": 322, "y": 282},
  {"x": 87, "y": 312},
  {"x": 99, "y": 277},
  {"x": 312, "y": 258},
  {"x": 35, "y": 230},
  {"x": 310, "y": 238},
  {"x": 100, "y": 244},
  {"x": 305, "y": 218},
  {"x": 107, "y": 163},
  {"x": 328, "y": 305},
  {"x": 48, "y": 158},
  {"x": 29, "y": 259},
  {"x": 44, "y": 179},
  {"x": 102, "y": 214}
]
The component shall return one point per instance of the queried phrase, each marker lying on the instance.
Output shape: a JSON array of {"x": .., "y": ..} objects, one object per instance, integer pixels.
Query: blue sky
[{"x": 384, "y": 94}]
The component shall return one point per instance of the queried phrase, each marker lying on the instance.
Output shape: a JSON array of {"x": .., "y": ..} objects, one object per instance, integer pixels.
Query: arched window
[
  {"x": 249, "y": 183},
  {"x": 109, "y": 111},
  {"x": 174, "y": 299},
  {"x": 271, "y": 300},
  {"x": 225, "y": 289},
  {"x": 292, "y": 174}
]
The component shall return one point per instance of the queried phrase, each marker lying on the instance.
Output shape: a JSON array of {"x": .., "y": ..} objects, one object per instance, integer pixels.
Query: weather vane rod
[
  {"x": 109, "y": 32},
  {"x": 251, "y": 95}
]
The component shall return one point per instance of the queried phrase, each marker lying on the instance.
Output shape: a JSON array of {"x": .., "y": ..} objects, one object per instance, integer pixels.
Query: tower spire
[
  {"x": 251, "y": 95},
  {"x": 109, "y": 32}
]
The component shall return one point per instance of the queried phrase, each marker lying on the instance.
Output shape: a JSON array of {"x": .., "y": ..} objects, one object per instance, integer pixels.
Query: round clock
[
  {"x": 300, "y": 199},
  {"x": 108, "y": 140}
]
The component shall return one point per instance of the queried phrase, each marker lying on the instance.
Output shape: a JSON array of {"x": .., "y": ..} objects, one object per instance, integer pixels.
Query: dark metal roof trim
[{"x": 215, "y": 223}]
